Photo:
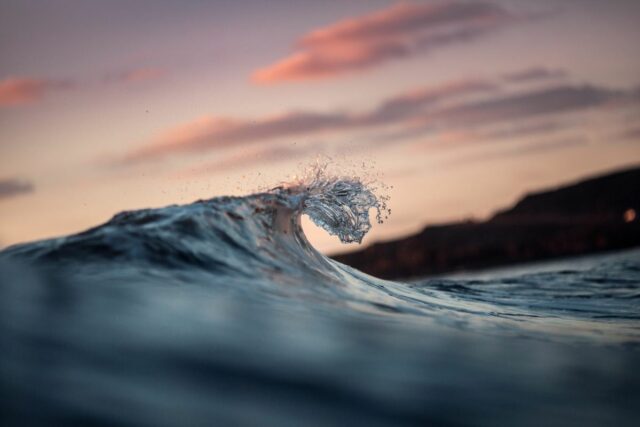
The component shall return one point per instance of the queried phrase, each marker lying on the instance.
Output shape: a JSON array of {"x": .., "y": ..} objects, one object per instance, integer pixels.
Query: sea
[{"x": 221, "y": 313}]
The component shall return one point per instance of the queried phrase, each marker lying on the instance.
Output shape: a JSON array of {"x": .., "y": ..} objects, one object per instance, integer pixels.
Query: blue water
[{"x": 220, "y": 313}]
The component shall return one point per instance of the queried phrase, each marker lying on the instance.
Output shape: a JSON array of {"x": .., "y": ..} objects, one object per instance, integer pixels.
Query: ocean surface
[{"x": 220, "y": 313}]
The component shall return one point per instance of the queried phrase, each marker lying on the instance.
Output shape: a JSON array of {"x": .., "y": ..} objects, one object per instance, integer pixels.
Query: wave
[
  {"x": 255, "y": 244},
  {"x": 221, "y": 312},
  {"x": 223, "y": 235}
]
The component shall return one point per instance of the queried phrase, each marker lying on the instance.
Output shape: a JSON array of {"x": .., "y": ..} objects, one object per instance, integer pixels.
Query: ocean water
[{"x": 220, "y": 313}]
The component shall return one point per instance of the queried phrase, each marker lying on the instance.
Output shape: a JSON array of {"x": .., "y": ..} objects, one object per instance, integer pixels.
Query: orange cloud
[
  {"x": 16, "y": 91},
  {"x": 397, "y": 31}
]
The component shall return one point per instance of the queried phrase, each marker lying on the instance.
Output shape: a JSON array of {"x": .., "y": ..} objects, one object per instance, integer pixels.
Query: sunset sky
[{"x": 462, "y": 106}]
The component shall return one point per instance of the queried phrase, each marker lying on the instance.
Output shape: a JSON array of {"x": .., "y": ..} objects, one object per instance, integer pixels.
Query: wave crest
[{"x": 340, "y": 205}]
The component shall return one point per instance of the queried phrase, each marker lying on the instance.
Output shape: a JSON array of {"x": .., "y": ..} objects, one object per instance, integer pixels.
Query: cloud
[
  {"x": 473, "y": 119},
  {"x": 512, "y": 131},
  {"x": 525, "y": 105},
  {"x": 519, "y": 150},
  {"x": 14, "y": 187},
  {"x": 267, "y": 154},
  {"x": 210, "y": 133},
  {"x": 415, "y": 101},
  {"x": 630, "y": 134},
  {"x": 452, "y": 106},
  {"x": 137, "y": 75},
  {"x": 535, "y": 74},
  {"x": 15, "y": 91},
  {"x": 401, "y": 30},
  {"x": 526, "y": 130}
]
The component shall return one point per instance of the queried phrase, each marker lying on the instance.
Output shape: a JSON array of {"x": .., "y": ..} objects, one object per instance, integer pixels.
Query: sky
[{"x": 459, "y": 107}]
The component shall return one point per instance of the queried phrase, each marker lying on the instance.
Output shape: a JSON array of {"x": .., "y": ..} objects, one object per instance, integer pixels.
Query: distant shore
[{"x": 594, "y": 215}]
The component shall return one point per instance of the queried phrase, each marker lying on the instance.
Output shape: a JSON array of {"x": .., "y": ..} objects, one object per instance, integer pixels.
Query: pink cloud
[
  {"x": 397, "y": 31},
  {"x": 15, "y": 91}
]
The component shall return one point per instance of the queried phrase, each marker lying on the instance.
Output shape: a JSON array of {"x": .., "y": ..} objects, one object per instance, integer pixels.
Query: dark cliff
[{"x": 596, "y": 214}]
